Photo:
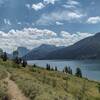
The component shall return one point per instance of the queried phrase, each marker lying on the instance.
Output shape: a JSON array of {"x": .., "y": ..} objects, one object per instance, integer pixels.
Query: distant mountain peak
[
  {"x": 21, "y": 47},
  {"x": 41, "y": 51},
  {"x": 47, "y": 45},
  {"x": 88, "y": 48},
  {"x": 22, "y": 51},
  {"x": 97, "y": 34}
]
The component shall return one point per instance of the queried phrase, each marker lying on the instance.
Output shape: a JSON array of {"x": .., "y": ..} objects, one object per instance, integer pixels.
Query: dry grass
[
  {"x": 40, "y": 84},
  {"x": 3, "y": 84}
]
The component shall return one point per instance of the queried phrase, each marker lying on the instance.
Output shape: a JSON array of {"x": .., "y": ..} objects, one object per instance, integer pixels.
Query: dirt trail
[{"x": 14, "y": 91}]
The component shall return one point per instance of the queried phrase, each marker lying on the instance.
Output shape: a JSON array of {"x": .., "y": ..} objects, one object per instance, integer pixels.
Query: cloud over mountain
[
  {"x": 33, "y": 22},
  {"x": 33, "y": 37}
]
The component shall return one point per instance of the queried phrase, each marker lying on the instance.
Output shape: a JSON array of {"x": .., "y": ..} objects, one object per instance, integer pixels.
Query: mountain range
[
  {"x": 88, "y": 48},
  {"x": 41, "y": 52},
  {"x": 22, "y": 51}
]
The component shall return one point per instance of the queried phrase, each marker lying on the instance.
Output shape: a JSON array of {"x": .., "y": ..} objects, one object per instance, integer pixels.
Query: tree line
[
  {"x": 19, "y": 61},
  {"x": 16, "y": 59},
  {"x": 66, "y": 70}
]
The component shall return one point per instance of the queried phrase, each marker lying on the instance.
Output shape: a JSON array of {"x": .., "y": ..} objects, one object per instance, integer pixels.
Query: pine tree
[
  {"x": 18, "y": 60},
  {"x": 48, "y": 67},
  {"x": 56, "y": 68},
  {"x": 4, "y": 57},
  {"x": 34, "y": 65},
  {"x": 66, "y": 69},
  {"x": 78, "y": 72},
  {"x": 52, "y": 69},
  {"x": 24, "y": 63}
]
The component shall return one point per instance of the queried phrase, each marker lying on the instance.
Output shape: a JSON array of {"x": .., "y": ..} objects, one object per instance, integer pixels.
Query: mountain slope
[
  {"x": 38, "y": 83},
  {"x": 40, "y": 52},
  {"x": 88, "y": 48},
  {"x": 22, "y": 51}
]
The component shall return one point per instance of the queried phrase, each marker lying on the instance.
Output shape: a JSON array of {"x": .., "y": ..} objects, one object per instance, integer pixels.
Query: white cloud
[
  {"x": 70, "y": 39},
  {"x": 38, "y": 6},
  {"x": 28, "y": 37},
  {"x": 93, "y": 20},
  {"x": 50, "y": 1},
  {"x": 47, "y": 19},
  {"x": 59, "y": 23},
  {"x": 73, "y": 2},
  {"x": 74, "y": 15},
  {"x": 41, "y": 5},
  {"x": 32, "y": 37},
  {"x": 6, "y": 21},
  {"x": 68, "y": 6}
]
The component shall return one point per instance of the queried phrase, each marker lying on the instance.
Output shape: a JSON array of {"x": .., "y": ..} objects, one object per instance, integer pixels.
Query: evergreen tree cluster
[
  {"x": 35, "y": 65},
  {"x": 68, "y": 70},
  {"x": 4, "y": 56},
  {"x": 78, "y": 72},
  {"x": 18, "y": 60},
  {"x": 48, "y": 67}
]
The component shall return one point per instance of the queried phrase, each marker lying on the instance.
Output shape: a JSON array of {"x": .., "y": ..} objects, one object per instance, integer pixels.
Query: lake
[{"x": 90, "y": 68}]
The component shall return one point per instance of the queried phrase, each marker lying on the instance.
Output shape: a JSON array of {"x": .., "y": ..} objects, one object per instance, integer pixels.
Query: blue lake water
[{"x": 90, "y": 68}]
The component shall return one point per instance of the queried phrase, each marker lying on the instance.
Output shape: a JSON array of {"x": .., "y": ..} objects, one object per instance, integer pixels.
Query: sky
[{"x": 30, "y": 23}]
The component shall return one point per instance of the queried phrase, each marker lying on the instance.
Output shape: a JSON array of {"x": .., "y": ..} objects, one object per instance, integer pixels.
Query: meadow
[
  {"x": 3, "y": 84},
  {"x": 40, "y": 84}
]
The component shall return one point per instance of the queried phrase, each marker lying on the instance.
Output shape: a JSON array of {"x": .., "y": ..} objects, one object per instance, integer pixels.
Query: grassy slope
[
  {"x": 40, "y": 84},
  {"x": 3, "y": 85}
]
